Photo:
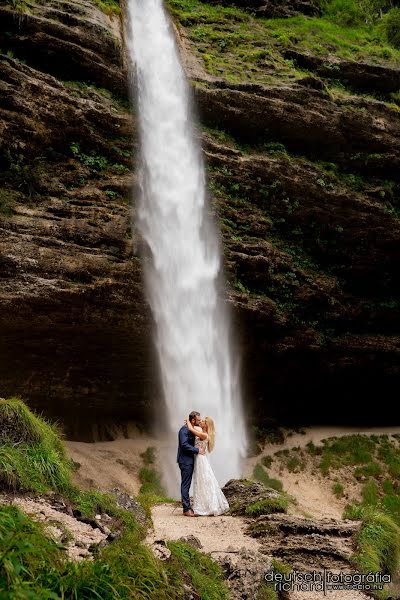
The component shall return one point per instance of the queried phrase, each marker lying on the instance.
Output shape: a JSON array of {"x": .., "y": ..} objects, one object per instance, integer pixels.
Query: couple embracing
[{"x": 196, "y": 438}]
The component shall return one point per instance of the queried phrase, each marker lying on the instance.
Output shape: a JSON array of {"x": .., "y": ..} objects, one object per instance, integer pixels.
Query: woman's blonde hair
[{"x": 211, "y": 433}]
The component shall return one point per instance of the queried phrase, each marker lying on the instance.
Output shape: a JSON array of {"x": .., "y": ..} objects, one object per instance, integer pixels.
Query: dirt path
[{"x": 217, "y": 535}]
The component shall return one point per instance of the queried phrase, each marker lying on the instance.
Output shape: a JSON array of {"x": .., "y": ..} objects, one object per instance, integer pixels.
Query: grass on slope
[
  {"x": 239, "y": 47},
  {"x": 32, "y": 456},
  {"x": 378, "y": 544},
  {"x": 35, "y": 567},
  {"x": 373, "y": 461}
]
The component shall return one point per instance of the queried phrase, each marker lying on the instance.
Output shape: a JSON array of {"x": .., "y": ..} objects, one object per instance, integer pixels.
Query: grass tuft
[
  {"x": 268, "y": 506},
  {"x": 32, "y": 455},
  {"x": 378, "y": 543},
  {"x": 206, "y": 575},
  {"x": 260, "y": 474}
]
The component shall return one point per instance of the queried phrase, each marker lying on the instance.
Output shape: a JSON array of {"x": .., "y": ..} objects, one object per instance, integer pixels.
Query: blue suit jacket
[{"x": 186, "y": 448}]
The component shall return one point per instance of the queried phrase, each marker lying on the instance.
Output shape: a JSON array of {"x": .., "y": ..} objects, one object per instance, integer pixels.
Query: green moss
[{"x": 268, "y": 506}]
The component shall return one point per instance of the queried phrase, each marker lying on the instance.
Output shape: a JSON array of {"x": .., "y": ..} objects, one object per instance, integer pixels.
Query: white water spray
[{"x": 192, "y": 326}]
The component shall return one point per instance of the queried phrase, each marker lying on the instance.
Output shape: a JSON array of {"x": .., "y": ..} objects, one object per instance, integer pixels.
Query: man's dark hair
[{"x": 193, "y": 415}]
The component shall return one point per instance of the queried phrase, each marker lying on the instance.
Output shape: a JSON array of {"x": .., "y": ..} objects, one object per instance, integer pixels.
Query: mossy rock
[{"x": 244, "y": 493}]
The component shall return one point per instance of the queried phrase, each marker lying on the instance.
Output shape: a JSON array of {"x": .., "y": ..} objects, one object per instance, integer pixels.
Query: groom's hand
[{"x": 202, "y": 451}]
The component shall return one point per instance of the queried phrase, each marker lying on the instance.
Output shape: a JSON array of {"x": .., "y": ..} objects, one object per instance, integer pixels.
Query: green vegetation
[
  {"x": 376, "y": 462},
  {"x": 266, "y": 591},
  {"x": 268, "y": 506},
  {"x": 82, "y": 89},
  {"x": 294, "y": 464},
  {"x": 239, "y": 47},
  {"x": 95, "y": 162},
  {"x": 18, "y": 5},
  {"x": 206, "y": 575},
  {"x": 260, "y": 474},
  {"x": 378, "y": 544},
  {"x": 392, "y": 27},
  {"x": 266, "y": 460},
  {"x": 7, "y": 198},
  {"x": 151, "y": 491},
  {"x": 33, "y": 566},
  {"x": 109, "y": 7},
  {"x": 148, "y": 456},
  {"x": 32, "y": 456},
  {"x": 338, "y": 489},
  {"x": 346, "y": 450}
]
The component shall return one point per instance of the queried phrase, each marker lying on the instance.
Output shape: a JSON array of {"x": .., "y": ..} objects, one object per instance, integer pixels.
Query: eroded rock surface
[{"x": 307, "y": 197}]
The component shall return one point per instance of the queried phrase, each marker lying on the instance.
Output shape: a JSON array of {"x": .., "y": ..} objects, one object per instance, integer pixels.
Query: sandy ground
[
  {"x": 312, "y": 492},
  {"x": 105, "y": 465},
  {"x": 116, "y": 464},
  {"x": 218, "y": 535}
]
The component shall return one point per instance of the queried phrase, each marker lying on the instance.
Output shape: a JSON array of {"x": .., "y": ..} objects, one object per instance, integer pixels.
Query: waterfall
[{"x": 198, "y": 368}]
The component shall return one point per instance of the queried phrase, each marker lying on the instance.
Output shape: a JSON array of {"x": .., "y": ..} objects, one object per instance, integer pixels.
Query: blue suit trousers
[{"x": 186, "y": 480}]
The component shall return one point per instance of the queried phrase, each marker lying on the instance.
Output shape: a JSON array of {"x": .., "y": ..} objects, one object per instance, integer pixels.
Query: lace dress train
[{"x": 208, "y": 498}]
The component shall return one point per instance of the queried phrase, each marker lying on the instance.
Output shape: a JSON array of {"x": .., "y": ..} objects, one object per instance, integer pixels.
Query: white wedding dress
[{"x": 208, "y": 498}]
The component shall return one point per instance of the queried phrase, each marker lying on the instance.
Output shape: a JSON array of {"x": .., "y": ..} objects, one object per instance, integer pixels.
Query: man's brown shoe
[{"x": 189, "y": 513}]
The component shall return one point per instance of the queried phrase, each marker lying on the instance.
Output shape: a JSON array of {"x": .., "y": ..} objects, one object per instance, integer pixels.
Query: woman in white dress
[{"x": 208, "y": 498}]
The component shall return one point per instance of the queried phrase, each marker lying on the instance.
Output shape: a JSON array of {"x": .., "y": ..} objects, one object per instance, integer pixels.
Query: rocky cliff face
[
  {"x": 304, "y": 182},
  {"x": 75, "y": 327}
]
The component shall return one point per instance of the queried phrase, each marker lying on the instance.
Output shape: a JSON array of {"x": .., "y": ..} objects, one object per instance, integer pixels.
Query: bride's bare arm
[{"x": 200, "y": 434}]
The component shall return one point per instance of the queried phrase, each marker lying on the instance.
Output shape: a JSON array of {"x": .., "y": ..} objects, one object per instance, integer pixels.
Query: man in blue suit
[{"x": 185, "y": 460}]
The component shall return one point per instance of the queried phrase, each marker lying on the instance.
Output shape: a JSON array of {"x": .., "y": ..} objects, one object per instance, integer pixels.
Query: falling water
[{"x": 192, "y": 326}]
